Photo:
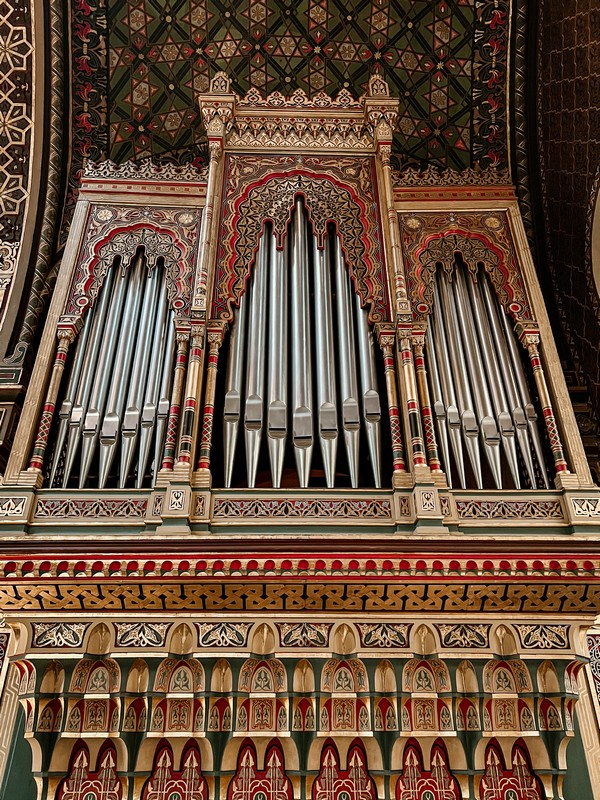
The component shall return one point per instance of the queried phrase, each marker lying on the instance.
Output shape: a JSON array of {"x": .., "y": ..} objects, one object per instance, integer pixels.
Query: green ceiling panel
[{"x": 445, "y": 60}]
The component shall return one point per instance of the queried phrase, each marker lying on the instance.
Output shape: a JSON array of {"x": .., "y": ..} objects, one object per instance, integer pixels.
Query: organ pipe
[
  {"x": 322, "y": 380},
  {"x": 347, "y": 356},
  {"x": 495, "y": 381},
  {"x": 278, "y": 364},
  {"x": 76, "y": 409},
  {"x": 159, "y": 410},
  {"x": 233, "y": 388},
  {"x": 117, "y": 387},
  {"x": 488, "y": 428},
  {"x": 302, "y": 416},
  {"x": 371, "y": 404},
  {"x": 458, "y": 374},
  {"x": 255, "y": 371},
  {"x": 100, "y": 386},
  {"x": 326, "y": 388},
  {"x": 475, "y": 373},
  {"x": 521, "y": 380},
  {"x": 117, "y": 398}
]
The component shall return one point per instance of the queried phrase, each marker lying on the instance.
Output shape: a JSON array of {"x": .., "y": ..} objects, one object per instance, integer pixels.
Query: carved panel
[
  {"x": 481, "y": 238},
  {"x": 337, "y": 190}
]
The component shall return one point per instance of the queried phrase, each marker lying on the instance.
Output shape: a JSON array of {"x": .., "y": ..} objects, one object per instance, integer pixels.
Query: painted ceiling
[{"x": 447, "y": 61}]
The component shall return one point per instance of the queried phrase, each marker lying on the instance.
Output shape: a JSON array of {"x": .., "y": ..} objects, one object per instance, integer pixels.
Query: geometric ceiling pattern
[{"x": 445, "y": 60}]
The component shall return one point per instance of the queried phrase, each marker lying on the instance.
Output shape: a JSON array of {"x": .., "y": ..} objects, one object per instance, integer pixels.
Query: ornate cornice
[
  {"x": 434, "y": 176},
  {"x": 145, "y": 170},
  {"x": 299, "y": 121}
]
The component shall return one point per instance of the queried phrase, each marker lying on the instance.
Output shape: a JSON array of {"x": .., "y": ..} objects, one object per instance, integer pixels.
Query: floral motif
[
  {"x": 59, "y": 634},
  {"x": 304, "y": 634},
  {"x": 384, "y": 634},
  {"x": 544, "y": 636},
  {"x": 141, "y": 634},
  {"x": 463, "y": 635},
  {"x": 223, "y": 634}
]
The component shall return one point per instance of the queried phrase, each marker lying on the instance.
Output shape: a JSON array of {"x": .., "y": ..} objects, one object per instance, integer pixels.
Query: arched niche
[
  {"x": 504, "y": 641},
  {"x": 137, "y": 679},
  {"x": 53, "y": 679},
  {"x": 304, "y": 677},
  {"x": 181, "y": 640},
  {"x": 547, "y": 678},
  {"x": 99, "y": 641},
  {"x": 263, "y": 640},
  {"x": 344, "y": 639},
  {"x": 466, "y": 678}
]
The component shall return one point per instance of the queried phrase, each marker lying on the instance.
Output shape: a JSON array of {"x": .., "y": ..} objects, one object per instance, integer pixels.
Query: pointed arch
[
  {"x": 517, "y": 783},
  {"x": 417, "y": 783},
  {"x": 252, "y": 783},
  {"x": 81, "y": 781},
  {"x": 166, "y": 782},
  {"x": 352, "y": 783}
]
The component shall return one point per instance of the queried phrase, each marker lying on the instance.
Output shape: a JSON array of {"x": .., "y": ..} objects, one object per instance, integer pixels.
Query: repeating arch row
[{"x": 260, "y": 774}]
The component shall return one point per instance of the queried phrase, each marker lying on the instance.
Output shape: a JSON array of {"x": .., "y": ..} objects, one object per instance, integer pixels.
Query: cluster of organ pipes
[
  {"x": 480, "y": 396},
  {"x": 117, "y": 397},
  {"x": 283, "y": 385}
]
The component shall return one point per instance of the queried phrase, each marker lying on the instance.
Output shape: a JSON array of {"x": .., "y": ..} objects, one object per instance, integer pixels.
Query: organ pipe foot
[
  {"x": 329, "y": 453},
  {"x": 253, "y": 438},
  {"x": 374, "y": 442},
  {"x": 230, "y": 433},
  {"x": 276, "y": 456},
  {"x": 351, "y": 439},
  {"x": 303, "y": 461}
]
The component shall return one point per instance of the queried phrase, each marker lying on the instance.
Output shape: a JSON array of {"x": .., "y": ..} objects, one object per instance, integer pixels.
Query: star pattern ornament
[{"x": 447, "y": 61}]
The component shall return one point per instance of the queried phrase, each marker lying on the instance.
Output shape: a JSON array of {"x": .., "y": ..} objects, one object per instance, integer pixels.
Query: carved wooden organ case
[{"x": 298, "y": 316}]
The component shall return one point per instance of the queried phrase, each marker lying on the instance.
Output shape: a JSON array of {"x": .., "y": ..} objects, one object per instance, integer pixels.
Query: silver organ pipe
[
  {"x": 495, "y": 381},
  {"x": 519, "y": 373},
  {"x": 89, "y": 357},
  {"x": 233, "y": 388},
  {"x": 163, "y": 404},
  {"x": 515, "y": 402},
  {"x": 255, "y": 370},
  {"x": 97, "y": 401},
  {"x": 115, "y": 403},
  {"x": 278, "y": 311},
  {"x": 302, "y": 415},
  {"x": 347, "y": 355},
  {"x": 74, "y": 380},
  {"x": 438, "y": 405},
  {"x": 483, "y": 403},
  {"x": 460, "y": 378},
  {"x": 161, "y": 351},
  {"x": 117, "y": 398},
  {"x": 475, "y": 371},
  {"x": 148, "y": 332},
  {"x": 371, "y": 404},
  {"x": 278, "y": 371},
  {"x": 326, "y": 388}
]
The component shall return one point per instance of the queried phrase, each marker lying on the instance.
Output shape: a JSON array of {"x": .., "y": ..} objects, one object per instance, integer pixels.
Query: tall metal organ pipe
[
  {"x": 302, "y": 415},
  {"x": 278, "y": 360},
  {"x": 347, "y": 356},
  {"x": 474, "y": 363},
  {"x": 120, "y": 379},
  {"x": 459, "y": 376},
  {"x": 255, "y": 370},
  {"x": 483, "y": 403},
  {"x": 371, "y": 404},
  {"x": 321, "y": 379},
  {"x": 326, "y": 388}
]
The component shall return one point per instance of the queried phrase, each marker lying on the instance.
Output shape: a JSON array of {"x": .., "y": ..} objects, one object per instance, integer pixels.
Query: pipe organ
[
  {"x": 112, "y": 420},
  {"x": 301, "y": 366},
  {"x": 309, "y": 409},
  {"x": 481, "y": 397}
]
